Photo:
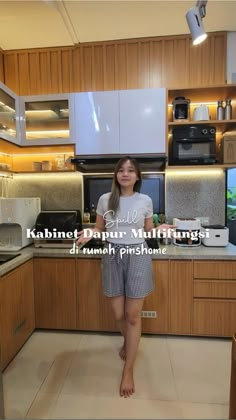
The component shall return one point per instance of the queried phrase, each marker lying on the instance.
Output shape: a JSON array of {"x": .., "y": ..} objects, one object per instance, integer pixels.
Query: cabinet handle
[{"x": 19, "y": 326}]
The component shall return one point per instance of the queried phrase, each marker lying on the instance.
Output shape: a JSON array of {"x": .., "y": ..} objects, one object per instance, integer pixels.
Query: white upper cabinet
[
  {"x": 143, "y": 124},
  {"x": 46, "y": 119},
  {"x": 9, "y": 115},
  {"x": 121, "y": 122},
  {"x": 96, "y": 117}
]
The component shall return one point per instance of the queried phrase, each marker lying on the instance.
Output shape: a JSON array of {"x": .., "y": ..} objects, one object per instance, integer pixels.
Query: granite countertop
[{"x": 165, "y": 252}]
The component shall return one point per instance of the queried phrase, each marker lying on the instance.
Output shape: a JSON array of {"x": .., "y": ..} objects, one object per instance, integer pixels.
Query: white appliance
[
  {"x": 201, "y": 113},
  {"x": 16, "y": 216},
  {"x": 217, "y": 235},
  {"x": 189, "y": 229}
]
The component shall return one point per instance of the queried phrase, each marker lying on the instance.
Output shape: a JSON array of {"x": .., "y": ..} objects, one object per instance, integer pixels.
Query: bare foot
[
  {"x": 122, "y": 352},
  {"x": 127, "y": 383}
]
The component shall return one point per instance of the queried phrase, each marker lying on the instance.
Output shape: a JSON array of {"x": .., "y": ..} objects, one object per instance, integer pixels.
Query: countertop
[{"x": 165, "y": 253}]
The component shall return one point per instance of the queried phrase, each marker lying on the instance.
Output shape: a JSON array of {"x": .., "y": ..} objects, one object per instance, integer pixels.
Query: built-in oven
[{"x": 193, "y": 145}]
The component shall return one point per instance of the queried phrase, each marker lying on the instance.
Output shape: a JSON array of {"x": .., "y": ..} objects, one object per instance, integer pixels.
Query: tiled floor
[{"x": 73, "y": 375}]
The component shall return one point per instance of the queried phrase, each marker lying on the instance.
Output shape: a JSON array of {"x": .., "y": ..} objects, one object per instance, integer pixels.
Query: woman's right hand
[{"x": 81, "y": 239}]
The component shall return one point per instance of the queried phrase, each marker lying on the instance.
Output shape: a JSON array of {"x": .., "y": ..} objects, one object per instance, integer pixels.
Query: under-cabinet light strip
[{"x": 196, "y": 171}]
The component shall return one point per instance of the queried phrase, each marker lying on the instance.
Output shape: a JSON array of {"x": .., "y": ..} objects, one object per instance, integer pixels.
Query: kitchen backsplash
[
  {"x": 190, "y": 194},
  {"x": 187, "y": 195},
  {"x": 56, "y": 191}
]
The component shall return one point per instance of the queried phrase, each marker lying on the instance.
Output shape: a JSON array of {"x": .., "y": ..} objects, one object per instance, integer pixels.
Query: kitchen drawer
[
  {"x": 215, "y": 289},
  {"x": 214, "y": 270},
  {"x": 214, "y": 317}
]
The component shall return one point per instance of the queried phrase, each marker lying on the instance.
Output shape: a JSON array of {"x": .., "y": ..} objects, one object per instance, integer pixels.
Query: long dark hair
[{"x": 114, "y": 199}]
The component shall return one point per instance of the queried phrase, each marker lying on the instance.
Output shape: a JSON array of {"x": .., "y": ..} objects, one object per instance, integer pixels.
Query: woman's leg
[
  {"x": 118, "y": 309},
  {"x": 133, "y": 308}
]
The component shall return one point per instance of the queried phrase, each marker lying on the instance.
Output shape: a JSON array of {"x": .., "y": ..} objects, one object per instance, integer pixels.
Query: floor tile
[
  {"x": 42, "y": 407},
  {"x": 95, "y": 368},
  {"x": 204, "y": 411},
  {"x": 49, "y": 343},
  {"x": 76, "y": 407},
  {"x": 57, "y": 374},
  {"x": 17, "y": 402},
  {"x": 201, "y": 368},
  {"x": 26, "y": 373},
  {"x": 153, "y": 372}
]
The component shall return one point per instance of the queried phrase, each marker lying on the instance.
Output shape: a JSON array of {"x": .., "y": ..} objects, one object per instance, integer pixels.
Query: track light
[{"x": 194, "y": 18}]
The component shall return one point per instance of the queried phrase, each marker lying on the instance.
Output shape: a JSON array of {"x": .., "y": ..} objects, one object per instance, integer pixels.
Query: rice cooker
[
  {"x": 215, "y": 235},
  {"x": 189, "y": 230}
]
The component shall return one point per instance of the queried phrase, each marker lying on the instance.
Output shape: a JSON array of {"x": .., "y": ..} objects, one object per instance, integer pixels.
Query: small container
[
  {"x": 46, "y": 165},
  {"x": 228, "y": 109},
  {"x": 60, "y": 163},
  {"x": 37, "y": 166},
  {"x": 220, "y": 112},
  {"x": 86, "y": 218}
]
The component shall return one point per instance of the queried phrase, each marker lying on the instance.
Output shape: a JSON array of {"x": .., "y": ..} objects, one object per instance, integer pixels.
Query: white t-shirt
[{"x": 128, "y": 219}]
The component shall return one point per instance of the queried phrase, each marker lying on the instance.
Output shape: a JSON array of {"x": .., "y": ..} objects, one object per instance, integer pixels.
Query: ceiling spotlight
[{"x": 194, "y": 18}]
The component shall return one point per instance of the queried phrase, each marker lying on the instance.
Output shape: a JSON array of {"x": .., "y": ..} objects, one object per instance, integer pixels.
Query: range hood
[{"x": 106, "y": 164}]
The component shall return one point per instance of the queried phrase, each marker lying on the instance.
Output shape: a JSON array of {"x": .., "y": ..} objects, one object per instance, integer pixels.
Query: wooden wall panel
[
  {"x": 132, "y": 65},
  {"x": 127, "y": 64},
  {"x": 1, "y": 66},
  {"x": 76, "y": 70},
  {"x": 121, "y": 66},
  {"x": 12, "y": 75},
  {"x": 45, "y": 71},
  {"x": 144, "y": 65},
  {"x": 66, "y": 72},
  {"x": 98, "y": 67},
  {"x": 86, "y": 68},
  {"x": 156, "y": 63},
  {"x": 24, "y": 71},
  {"x": 34, "y": 73},
  {"x": 109, "y": 67}
]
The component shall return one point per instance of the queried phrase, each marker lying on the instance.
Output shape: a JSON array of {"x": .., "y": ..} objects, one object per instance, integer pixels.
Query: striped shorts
[{"x": 126, "y": 274}]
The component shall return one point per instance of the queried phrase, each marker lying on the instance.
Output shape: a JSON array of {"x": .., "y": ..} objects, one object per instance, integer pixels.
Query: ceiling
[{"x": 50, "y": 23}]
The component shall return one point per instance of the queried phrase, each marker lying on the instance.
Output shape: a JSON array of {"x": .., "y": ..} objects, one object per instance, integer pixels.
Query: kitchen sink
[{"x": 7, "y": 257}]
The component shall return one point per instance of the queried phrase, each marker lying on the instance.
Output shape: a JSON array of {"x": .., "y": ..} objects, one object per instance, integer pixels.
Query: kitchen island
[{"x": 195, "y": 294}]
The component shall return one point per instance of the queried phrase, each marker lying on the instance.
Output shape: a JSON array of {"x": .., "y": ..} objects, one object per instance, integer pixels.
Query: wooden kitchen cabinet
[
  {"x": 93, "y": 308},
  {"x": 180, "y": 297},
  {"x": 55, "y": 293},
  {"x": 214, "y": 298},
  {"x": 158, "y": 300},
  {"x": 17, "y": 320}
]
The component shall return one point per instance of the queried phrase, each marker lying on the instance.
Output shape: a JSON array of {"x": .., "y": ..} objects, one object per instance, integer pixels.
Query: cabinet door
[
  {"x": 143, "y": 124},
  {"x": 93, "y": 308},
  {"x": 181, "y": 297},
  {"x": 97, "y": 123},
  {"x": 9, "y": 115},
  {"x": 158, "y": 300},
  {"x": 17, "y": 320},
  {"x": 46, "y": 119},
  {"x": 54, "y": 292}
]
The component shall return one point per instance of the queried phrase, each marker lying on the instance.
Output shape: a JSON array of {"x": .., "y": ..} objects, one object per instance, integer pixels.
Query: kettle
[{"x": 201, "y": 113}]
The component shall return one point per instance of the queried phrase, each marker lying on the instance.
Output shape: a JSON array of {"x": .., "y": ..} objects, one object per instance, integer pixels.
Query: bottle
[
  {"x": 220, "y": 111},
  {"x": 93, "y": 214},
  {"x": 228, "y": 109},
  {"x": 86, "y": 218}
]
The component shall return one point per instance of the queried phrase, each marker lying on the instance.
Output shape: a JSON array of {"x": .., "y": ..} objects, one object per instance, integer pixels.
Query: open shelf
[{"x": 221, "y": 122}]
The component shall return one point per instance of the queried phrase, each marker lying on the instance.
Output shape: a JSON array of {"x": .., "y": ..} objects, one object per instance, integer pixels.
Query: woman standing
[{"x": 127, "y": 276}]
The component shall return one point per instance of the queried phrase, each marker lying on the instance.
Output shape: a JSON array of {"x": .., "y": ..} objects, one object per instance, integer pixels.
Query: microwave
[{"x": 193, "y": 145}]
